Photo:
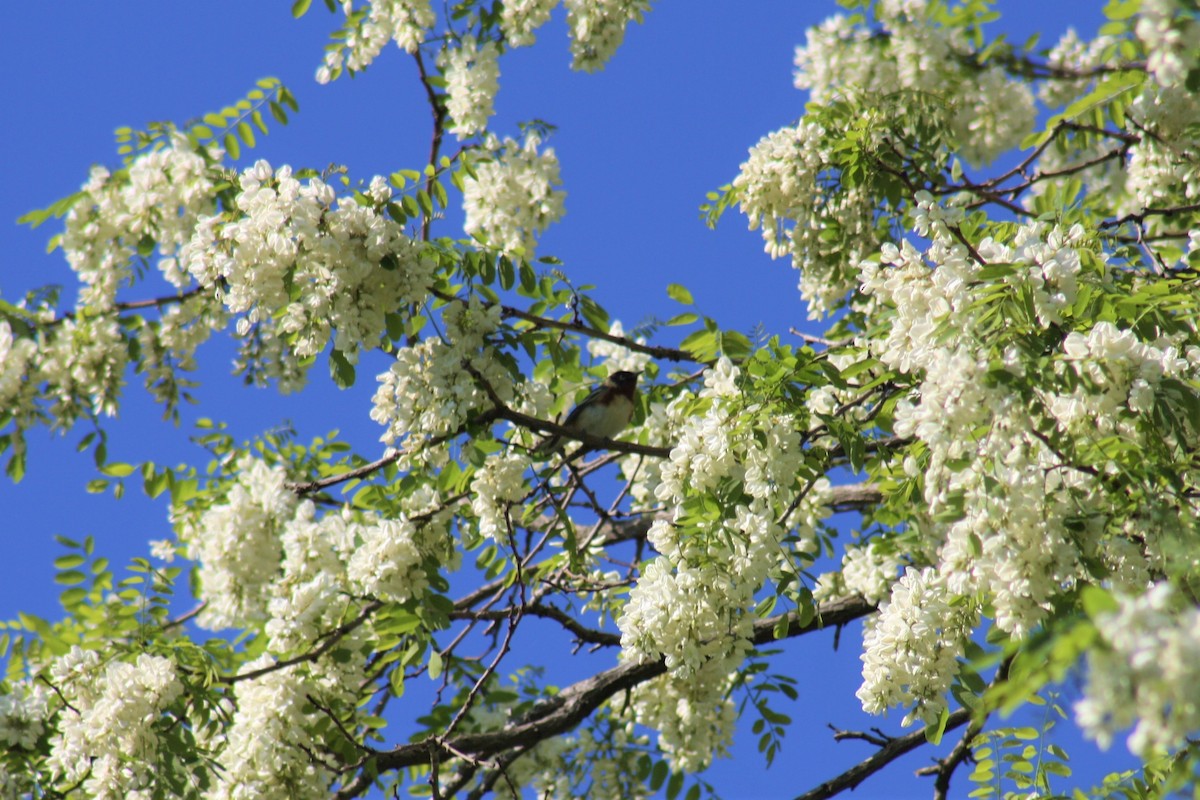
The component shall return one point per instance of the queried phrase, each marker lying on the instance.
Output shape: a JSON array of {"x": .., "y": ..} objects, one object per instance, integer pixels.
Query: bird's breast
[{"x": 606, "y": 420}]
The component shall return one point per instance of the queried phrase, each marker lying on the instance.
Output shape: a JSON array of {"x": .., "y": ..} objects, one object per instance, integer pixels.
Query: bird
[{"x": 604, "y": 413}]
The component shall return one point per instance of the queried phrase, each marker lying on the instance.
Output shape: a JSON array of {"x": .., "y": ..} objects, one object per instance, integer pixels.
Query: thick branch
[
  {"x": 889, "y": 752},
  {"x": 578, "y": 701}
]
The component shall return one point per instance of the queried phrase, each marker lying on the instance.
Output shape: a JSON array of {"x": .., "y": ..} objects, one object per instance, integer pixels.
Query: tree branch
[
  {"x": 892, "y": 749},
  {"x": 578, "y": 701}
]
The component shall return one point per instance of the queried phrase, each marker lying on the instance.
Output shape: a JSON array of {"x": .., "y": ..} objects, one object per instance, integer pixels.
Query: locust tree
[{"x": 1001, "y": 242}]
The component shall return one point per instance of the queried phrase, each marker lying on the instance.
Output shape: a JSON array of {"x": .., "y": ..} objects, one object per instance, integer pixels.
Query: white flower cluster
[
  {"x": 1160, "y": 168},
  {"x": 1146, "y": 673},
  {"x": 988, "y": 112},
  {"x": 405, "y": 22},
  {"x": 17, "y": 355},
  {"x": 347, "y": 264},
  {"x": 911, "y": 648},
  {"x": 267, "y": 746},
  {"x": 520, "y": 18},
  {"x": 1122, "y": 377},
  {"x": 82, "y": 361},
  {"x": 472, "y": 79},
  {"x": 694, "y": 718},
  {"x": 780, "y": 189},
  {"x": 598, "y": 27},
  {"x": 618, "y": 357},
  {"x": 868, "y": 570},
  {"x": 512, "y": 198},
  {"x": 106, "y": 736},
  {"x": 1073, "y": 55},
  {"x": 23, "y": 713},
  {"x": 497, "y": 484},
  {"x": 164, "y": 196},
  {"x": 239, "y": 546},
  {"x": 1170, "y": 32},
  {"x": 431, "y": 390},
  {"x": 1011, "y": 541},
  {"x": 692, "y": 603},
  {"x": 387, "y": 564}
]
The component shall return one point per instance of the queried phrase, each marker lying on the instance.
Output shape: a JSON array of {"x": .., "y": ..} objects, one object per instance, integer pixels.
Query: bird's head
[{"x": 624, "y": 380}]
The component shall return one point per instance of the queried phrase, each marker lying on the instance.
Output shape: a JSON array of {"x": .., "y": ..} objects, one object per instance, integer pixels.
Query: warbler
[{"x": 604, "y": 413}]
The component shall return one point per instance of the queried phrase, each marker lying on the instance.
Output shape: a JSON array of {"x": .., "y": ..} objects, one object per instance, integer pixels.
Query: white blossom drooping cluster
[
  {"x": 405, "y": 22},
  {"x": 498, "y": 483},
  {"x": 512, "y": 197},
  {"x": 1072, "y": 56},
  {"x": 694, "y": 718},
  {"x": 472, "y": 75},
  {"x": 598, "y": 27},
  {"x": 23, "y": 713},
  {"x": 616, "y": 356},
  {"x": 1014, "y": 497},
  {"x": 1146, "y": 673},
  {"x": 868, "y": 571},
  {"x": 107, "y": 738},
  {"x": 351, "y": 263},
  {"x": 1160, "y": 168},
  {"x": 434, "y": 387},
  {"x": 911, "y": 648},
  {"x": 82, "y": 362},
  {"x": 692, "y": 604},
  {"x": 780, "y": 189},
  {"x": 267, "y": 745},
  {"x": 162, "y": 198},
  {"x": 387, "y": 564},
  {"x": 520, "y": 18},
  {"x": 1123, "y": 375},
  {"x": 239, "y": 543},
  {"x": 1170, "y": 32},
  {"x": 988, "y": 112},
  {"x": 17, "y": 354}
]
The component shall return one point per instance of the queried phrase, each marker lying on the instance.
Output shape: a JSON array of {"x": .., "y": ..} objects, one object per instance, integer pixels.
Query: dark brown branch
[
  {"x": 439, "y": 129},
  {"x": 307, "y": 487},
  {"x": 578, "y": 701},
  {"x": 889, "y": 752},
  {"x": 852, "y": 497},
  {"x": 135, "y": 305},
  {"x": 331, "y": 639},
  {"x": 944, "y": 768},
  {"x": 1142, "y": 215},
  {"x": 572, "y": 625},
  {"x": 654, "y": 351}
]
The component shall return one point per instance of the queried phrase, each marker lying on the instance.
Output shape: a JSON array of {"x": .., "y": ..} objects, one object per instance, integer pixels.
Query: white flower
[
  {"x": 911, "y": 649},
  {"x": 238, "y": 545},
  {"x": 598, "y": 27},
  {"x": 520, "y": 18},
  {"x": 512, "y": 197},
  {"x": 107, "y": 737},
  {"x": 1146, "y": 673},
  {"x": 472, "y": 79},
  {"x": 618, "y": 357},
  {"x": 405, "y": 22}
]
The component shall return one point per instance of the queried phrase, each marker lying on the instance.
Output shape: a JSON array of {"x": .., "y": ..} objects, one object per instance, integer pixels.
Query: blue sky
[{"x": 670, "y": 118}]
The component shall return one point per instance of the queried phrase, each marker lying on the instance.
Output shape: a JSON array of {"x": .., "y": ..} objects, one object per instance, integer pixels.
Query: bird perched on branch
[{"x": 604, "y": 413}]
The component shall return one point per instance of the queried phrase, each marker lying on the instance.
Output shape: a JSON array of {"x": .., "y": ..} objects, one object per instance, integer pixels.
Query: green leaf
[
  {"x": 232, "y": 147},
  {"x": 935, "y": 731},
  {"x": 340, "y": 369},
  {"x": 246, "y": 133},
  {"x": 679, "y": 294},
  {"x": 70, "y": 561},
  {"x": 300, "y": 8},
  {"x": 435, "y": 664}
]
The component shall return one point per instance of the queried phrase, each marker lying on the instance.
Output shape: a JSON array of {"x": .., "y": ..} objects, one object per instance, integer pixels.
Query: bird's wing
[{"x": 573, "y": 417}]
